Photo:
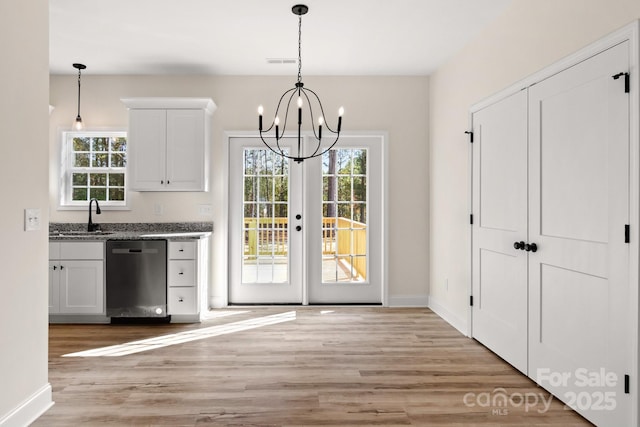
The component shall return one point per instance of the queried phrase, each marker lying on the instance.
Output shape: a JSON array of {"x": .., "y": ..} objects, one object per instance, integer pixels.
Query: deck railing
[{"x": 341, "y": 237}]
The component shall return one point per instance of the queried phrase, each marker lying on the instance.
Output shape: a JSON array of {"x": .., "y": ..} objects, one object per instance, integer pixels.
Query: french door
[
  {"x": 308, "y": 232},
  {"x": 265, "y": 199}
]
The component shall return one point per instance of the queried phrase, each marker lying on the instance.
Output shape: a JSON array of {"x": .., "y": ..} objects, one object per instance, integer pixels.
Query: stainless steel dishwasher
[{"x": 136, "y": 278}]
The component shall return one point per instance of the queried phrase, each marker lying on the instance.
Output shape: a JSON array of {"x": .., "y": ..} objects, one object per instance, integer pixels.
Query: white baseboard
[
  {"x": 217, "y": 302},
  {"x": 30, "y": 409},
  {"x": 409, "y": 301},
  {"x": 454, "y": 320}
]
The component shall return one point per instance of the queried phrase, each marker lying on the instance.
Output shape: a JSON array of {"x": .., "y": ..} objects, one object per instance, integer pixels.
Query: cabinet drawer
[
  {"x": 182, "y": 273},
  {"x": 81, "y": 250},
  {"x": 54, "y": 250},
  {"x": 182, "y": 301},
  {"x": 182, "y": 250}
]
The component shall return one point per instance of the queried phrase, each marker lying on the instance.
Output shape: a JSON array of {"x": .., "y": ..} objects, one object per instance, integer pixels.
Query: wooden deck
[{"x": 312, "y": 366}]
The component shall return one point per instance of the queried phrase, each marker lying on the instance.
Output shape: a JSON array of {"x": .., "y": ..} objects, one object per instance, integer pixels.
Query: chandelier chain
[{"x": 299, "y": 49}]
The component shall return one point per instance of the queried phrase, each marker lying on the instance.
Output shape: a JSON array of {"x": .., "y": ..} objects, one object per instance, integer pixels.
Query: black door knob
[
  {"x": 519, "y": 245},
  {"x": 531, "y": 247},
  {"x": 298, "y": 227}
]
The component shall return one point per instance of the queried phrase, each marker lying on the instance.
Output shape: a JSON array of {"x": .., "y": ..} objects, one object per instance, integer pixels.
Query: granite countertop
[{"x": 131, "y": 231}]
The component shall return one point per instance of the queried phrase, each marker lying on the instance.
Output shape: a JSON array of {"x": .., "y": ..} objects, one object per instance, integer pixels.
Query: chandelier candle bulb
[
  {"x": 320, "y": 122},
  {"x": 260, "y": 111},
  {"x": 340, "y": 113},
  {"x": 277, "y": 122}
]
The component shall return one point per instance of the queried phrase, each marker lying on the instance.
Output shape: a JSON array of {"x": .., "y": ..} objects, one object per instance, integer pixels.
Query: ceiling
[{"x": 226, "y": 37}]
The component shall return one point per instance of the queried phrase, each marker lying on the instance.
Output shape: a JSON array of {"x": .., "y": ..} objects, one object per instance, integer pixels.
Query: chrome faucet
[{"x": 91, "y": 226}]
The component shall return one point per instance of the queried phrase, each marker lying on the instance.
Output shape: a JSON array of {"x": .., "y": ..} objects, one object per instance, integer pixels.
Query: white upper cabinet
[{"x": 169, "y": 142}]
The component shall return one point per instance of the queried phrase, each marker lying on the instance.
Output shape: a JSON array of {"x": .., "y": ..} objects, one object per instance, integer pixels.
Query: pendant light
[
  {"x": 305, "y": 97},
  {"x": 78, "y": 125}
]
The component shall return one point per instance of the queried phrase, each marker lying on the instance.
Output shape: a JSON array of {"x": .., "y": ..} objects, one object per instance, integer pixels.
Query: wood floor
[{"x": 333, "y": 366}]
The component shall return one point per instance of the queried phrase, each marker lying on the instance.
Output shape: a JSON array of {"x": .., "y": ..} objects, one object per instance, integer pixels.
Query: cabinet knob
[
  {"x": 162, "y": 181},
  {"x": 180, "y": 299},
  {"x": 181, "y": 273},
  {"x": 298, "y": 227},
  {"x": 62, "y": 267},
  {"x": 519, "y": 245},
  {"x": 55, "y": 267},
  {"x": 531, "y": 247}
]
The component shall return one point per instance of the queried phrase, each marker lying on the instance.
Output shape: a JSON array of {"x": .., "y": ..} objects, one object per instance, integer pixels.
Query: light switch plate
[
  {"x": 205, "y": 210},
  {"x": 32, "y": 219}
]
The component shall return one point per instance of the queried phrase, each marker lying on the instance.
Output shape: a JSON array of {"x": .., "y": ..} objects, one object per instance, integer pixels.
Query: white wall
[
  {"x": 24, "y": 89},
  {"x": 397, "y": 105},
  {"x": 530, "y": 35}
]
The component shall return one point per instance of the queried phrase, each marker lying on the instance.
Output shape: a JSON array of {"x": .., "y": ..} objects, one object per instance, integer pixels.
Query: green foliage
[
  {"x": 344, "y": 184},
  {"x": 266, "y": 182},
  {"x": 102, "y": 156}
]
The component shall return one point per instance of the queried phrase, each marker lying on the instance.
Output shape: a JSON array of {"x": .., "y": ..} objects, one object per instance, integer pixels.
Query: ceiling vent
[{"x": 282, "y": 60}]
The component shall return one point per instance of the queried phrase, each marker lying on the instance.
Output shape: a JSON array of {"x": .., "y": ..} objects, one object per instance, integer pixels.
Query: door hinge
[
  {"x": 627, "y": 233},
  {"x": 470, "y": 135},
  {"x": 471, "y": 300},
  {"x": 471, "y": 219},
  {"x": 626, "y": 384},
  {"x": 627, "y": 82}
]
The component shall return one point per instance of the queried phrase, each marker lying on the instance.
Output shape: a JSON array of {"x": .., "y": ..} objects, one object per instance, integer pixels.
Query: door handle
[
  {"x": 298, "y": 227},
  {"x": 531, "y": 247},
  {"x": 519, "y": 245}
]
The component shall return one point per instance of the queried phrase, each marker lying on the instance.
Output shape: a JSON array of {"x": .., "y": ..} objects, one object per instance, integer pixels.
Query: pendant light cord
[{"x": 79, "y": 72}]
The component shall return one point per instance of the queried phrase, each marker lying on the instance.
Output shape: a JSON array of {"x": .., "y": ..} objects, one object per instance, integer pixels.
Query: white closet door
[
  {"x": 579, "y": 205},
  {"x": 499, "y": 271}
]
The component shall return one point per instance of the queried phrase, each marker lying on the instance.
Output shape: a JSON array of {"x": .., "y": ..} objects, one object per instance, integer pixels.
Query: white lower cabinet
[
  {"x": 187, "y": 279},
  {"x": 76, "y": 278},
  {"x": 182, "y": 300}
]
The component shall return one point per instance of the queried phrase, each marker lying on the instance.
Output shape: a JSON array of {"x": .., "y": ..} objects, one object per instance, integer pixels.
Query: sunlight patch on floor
[
  {"x": 215, "y": 314},
  {"x": 186, "y": 336}
]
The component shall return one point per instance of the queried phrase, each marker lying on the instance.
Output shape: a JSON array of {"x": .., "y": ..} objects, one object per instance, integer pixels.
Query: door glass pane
[
  {"x": 344, "y": 212},
  {"x": 266, "y": 221}
]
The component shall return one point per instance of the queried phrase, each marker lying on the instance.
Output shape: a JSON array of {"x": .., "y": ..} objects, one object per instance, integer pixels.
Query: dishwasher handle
[{"x": 134, "y": 251}]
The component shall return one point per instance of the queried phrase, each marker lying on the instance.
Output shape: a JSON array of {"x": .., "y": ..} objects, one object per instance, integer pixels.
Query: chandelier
[{"x": 305, "y": 96}]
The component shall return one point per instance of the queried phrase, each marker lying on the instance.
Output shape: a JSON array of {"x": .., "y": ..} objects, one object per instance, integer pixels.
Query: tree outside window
[{"x": 95, "y": 165}]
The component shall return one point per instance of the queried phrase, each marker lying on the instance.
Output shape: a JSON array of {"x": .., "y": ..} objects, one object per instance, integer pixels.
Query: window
[{"x": 94, "y": 166}]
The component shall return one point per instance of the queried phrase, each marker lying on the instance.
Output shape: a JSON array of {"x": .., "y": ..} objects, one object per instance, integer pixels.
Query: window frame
[{"x": 65, "y": 199}]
